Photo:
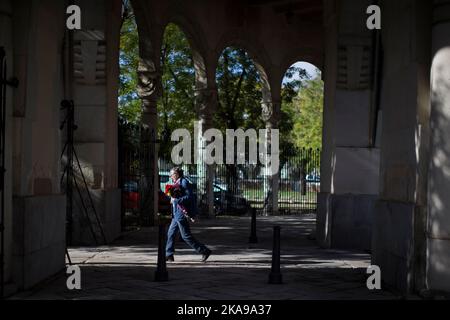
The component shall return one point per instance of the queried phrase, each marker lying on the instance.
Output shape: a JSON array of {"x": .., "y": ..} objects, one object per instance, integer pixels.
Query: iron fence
[
  {"x": 247, "y": 185},
  {"x": 237, "y": 188},
  {"x": 299, "y": 181}
]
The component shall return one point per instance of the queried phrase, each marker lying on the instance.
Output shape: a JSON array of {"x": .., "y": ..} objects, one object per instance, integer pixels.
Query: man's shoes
[
  {"x": 206, "y": 255},
  {"x": 170, "y": 259}
]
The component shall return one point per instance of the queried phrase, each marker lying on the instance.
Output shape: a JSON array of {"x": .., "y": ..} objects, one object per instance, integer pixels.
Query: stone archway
[
  {"x": 269, "y": 114},
  {"x": 150, "y": 90}
]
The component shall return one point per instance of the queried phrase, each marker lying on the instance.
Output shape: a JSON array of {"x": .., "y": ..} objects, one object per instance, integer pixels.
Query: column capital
[
  {"x": 149, "y": 81},
  {"x": 271, "y": 111}
]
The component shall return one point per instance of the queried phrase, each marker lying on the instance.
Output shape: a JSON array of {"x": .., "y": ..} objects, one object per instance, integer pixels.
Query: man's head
[{"x": 176, "y": 173}]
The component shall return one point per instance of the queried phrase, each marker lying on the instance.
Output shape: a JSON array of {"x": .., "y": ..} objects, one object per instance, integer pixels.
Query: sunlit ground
[{"x": 235, "y": 270}]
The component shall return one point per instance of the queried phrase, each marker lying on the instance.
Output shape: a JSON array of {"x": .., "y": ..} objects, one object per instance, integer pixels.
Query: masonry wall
[{"x": 39, "y": 206}]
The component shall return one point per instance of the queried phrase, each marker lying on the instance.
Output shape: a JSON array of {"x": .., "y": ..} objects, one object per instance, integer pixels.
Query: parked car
[
  {"x": 227, "y": 202},
  {"x": 131, "y": 198},
  {"x": 313, "y": 181}
]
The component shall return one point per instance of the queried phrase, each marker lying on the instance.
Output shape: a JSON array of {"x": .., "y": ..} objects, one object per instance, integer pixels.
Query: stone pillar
[
  {"x": 149, "y": 90},
  {"x": 270, "y": 114},
  {"x": 438, "y": 240},
  {"x": 350, "y": 188},
  {"x": 329, "y": 74},
  {"x": 206, "y": 101},
  {"x": 398, "y": 230},
  {"x": 95, "y": 87}
]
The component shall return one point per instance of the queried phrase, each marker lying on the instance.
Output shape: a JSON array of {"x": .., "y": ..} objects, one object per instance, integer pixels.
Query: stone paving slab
[{"x": 236, "y": 270}]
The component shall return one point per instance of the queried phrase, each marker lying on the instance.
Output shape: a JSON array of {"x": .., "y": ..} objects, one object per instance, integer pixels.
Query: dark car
[{"x": 227, "y": 202}]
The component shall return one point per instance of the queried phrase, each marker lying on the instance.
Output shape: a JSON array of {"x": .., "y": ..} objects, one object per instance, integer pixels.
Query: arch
[
  {"x": 198, "y": 51},
  {"x": 295, "y": 63},
  {"x": 310, "y": 56},
  {"x": 143, "y": 23},
  {"x": 255, "y": 50},
  {"x": 292, "y": 89},
  {"x": 269, "y": 107}
]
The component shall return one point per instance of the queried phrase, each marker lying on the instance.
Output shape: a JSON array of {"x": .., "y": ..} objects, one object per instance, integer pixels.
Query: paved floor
[{"x": 236, "y": 270}]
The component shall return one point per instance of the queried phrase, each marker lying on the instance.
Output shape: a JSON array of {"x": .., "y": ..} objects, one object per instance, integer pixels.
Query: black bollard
[
  {"x": 161, "y": 273},
  {"x": 253, "y": 238},
  {"x": 275, "y": 276}
]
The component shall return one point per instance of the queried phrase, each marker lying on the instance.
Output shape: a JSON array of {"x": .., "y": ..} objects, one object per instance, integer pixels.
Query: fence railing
[
  {"x": 298, "y": 184},
  {"x": 237, "y": 187}
]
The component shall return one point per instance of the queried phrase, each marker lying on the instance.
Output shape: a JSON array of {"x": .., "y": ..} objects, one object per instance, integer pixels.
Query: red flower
[{"x": 169, "y": 189}]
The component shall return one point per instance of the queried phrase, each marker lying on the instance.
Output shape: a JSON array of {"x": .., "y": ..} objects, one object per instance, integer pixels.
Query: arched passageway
[{"x": 383, "y": 161}]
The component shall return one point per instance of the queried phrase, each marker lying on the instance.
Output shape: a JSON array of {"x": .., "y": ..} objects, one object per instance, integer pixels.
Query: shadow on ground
[{"x": 236, "y": 270}]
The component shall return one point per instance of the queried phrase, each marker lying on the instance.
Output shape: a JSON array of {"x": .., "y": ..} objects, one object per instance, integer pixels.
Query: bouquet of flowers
[{"x": 175, "y": 191}]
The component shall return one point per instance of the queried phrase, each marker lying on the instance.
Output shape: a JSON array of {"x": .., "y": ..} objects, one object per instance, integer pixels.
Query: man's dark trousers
[{"x": 182, "y": 225}]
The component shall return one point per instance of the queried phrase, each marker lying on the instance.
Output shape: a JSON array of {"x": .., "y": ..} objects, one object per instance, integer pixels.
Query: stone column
[
  {"x": 149, "y": 90},
  {"x": 438, "y": 259},
  {"x": 350, "y": 163},
  {"x": 270, "y": 114},
  {"x": 95, "y": 87},
  {"x": 206, "y": 101},
  {"x": 398, "y": 232},
  {"x": 329, "y": 74}
]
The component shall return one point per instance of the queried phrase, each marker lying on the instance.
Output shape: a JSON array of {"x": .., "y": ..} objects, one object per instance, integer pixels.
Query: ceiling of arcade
[{"x": 276, "y": 33}]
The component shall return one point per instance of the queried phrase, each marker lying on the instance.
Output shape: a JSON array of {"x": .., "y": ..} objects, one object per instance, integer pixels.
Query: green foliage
[
  {"x": 239, "y": 93},
  {"x": 308, "y": 110},
  {"x": 294, "y": 81},
  {"x": 176, "y": 108},
  {"x": 129, "y": 103}
]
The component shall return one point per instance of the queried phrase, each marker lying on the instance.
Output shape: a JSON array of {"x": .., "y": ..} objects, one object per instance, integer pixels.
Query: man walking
[{"x": 183, "y": 208}]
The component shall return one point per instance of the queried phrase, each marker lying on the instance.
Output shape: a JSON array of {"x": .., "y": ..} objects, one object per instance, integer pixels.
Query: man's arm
[{"x": 184, "y": 200}]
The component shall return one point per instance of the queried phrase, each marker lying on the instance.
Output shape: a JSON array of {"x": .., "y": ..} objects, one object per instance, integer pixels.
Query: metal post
[
  {"x": 161, "y": 274},
  {"x": 275, "y": 276},
  {"x": 253, "y": 237}
]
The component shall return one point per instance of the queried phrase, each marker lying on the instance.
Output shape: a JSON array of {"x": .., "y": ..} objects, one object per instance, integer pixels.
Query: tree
[
  {"x": 294, "y": 81},
  {"x": 129, "y": 102},
  {"x": 309, "y": 110},
  {"x": 176, "y": 108},
  {"x": 239, "y": 99},
  {"x": 239, "y": 92}
]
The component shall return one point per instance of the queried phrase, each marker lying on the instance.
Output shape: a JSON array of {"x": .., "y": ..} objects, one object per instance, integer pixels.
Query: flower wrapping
[{"x": 175, "y": 191}]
